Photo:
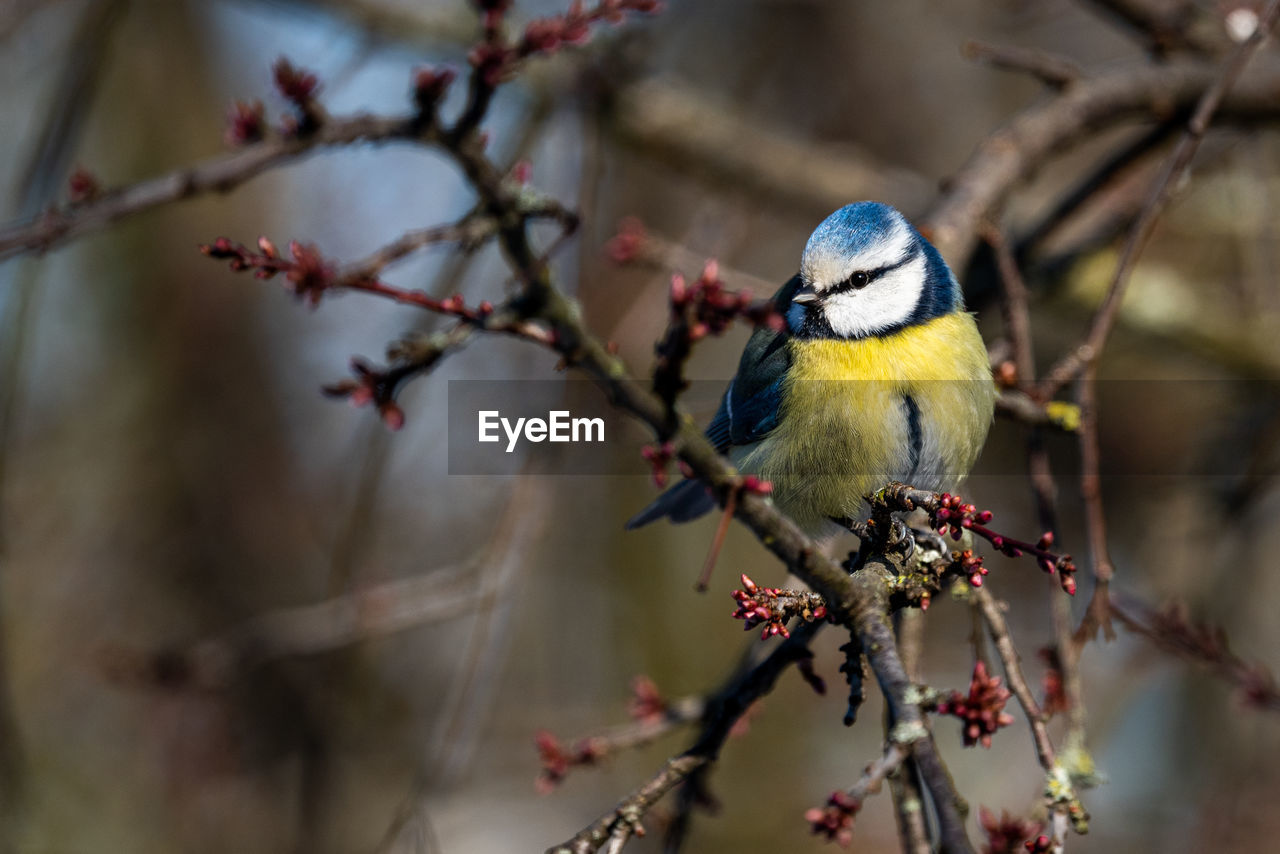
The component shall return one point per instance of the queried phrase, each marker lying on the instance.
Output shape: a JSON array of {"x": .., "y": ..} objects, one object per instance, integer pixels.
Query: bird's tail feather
[{"x": 680, "y": 503}]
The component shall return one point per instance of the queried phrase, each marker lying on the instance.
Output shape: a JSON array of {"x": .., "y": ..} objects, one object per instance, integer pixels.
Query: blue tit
[{"x": 879, "y": 374}]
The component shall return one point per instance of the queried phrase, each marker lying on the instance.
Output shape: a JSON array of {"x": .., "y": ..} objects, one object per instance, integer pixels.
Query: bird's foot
[
  {"x": 928, "y": 540},
  {"x": 901, "y": 539}
]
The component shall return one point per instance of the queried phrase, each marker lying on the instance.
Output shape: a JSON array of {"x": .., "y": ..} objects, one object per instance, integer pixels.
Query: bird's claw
[
  {"x": 929, "y": 540},
  {"x": 900, "y": 538}
]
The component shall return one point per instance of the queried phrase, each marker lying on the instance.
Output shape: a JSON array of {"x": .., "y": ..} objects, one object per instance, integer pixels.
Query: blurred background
[{"x": 169, "y": 470}]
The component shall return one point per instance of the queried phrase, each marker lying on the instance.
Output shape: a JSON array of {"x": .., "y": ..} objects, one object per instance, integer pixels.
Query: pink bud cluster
[
  {"x": 372, "y": 386},
  {"x": 647, "y": 704},
  {"x": 954, "y": 516},
  {"x": 753, "y": 485},
  {"x": 557, "y": 759},
  {"x": 246, "y": 123},
  {"x": 1006, "y": 833},
  {"x": 982, "y": 710},
  {"x": 495, "y": 58},
  {"x": 835, "y": 820},
  {"x": 82, "y": 186},
  {"x": 307, "y": 273},
  {"x": 299, "y": 87},
  {"x": 628, "y": 244},
  {"x": 430, "y": 86},
  {"x": 711, "y": 307},
  {"x": 969, "y": 565},
  {"x": 772, "y": 607},
  {"x": 659, "y": 456}
]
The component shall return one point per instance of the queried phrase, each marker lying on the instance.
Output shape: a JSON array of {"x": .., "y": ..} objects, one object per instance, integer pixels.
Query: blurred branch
[
  {"x": 1161, "y": 25},
  {"x": 653, "y": 718},
  {"x": 216, "y": 175},
  {"x": 1083, "y": 360},
  {"x": 835, "y": 820},
  {"x": 1012, "y": 153},
  {"x": 1103, "y": 176},
  {"x": 420, "y": 25},
  {"x": 1060, "y": 798},
  {"x": 1214, "y": 97},
  {"x": 721, "y": 714},
  {"x": 674, "y": 122},
  {"x": 376, "y": 611},
  {"x": 58, "y": 132},
  {"x": 636, "y": 245},
  {"x": 1054, "y": 71},
  {"x": 1172, "y": 631}
]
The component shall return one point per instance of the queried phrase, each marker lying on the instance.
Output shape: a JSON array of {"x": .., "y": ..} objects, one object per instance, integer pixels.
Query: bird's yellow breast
[{"x": 847, "y": 424}]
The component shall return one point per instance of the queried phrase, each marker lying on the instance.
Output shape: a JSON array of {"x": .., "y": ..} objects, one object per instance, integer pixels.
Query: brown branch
[
  {"x": 722, "y": 712},
  {"x": 677, "y": 125},
  {"x": 1056, "y": 72},
  {"x": 1208, "y": 104},
  {"x": 1171, "y": 630},
  {"x": 1011, "y": 661},
  {"x": 215, "y": 175},
  {"x": 636, "y": 245},
  {"x": 1097, "y": 615},
  {"x": 725, "y": 707},
  {"x": 1104, "y": 175},
  {"x": 1013, "y": 306},
  {"x": 558, "y": 760},
  {"x": 383, "y": 609},
  {"x": 835, "y": 820},
  {"x": 1158, "y": 25},
  {"x": 1030, "y": 139},
  {"x": 881, "y": 648},
  {"x": 469, "y": 234},
  {"x": 904, "y": 788}
]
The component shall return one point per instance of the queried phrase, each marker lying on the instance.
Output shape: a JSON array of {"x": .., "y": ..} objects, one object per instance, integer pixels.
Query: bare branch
[
  {"x": 1054, "y": 71},
  {"x": 1171, "y": 630},
  {"x": 215, "y": 175},
  {"x": 1158, "y": 25},
  {"x": 1208, "y": 104},
  {"x": 1031, "y": 138},
  {"x": 675, "y": 123},
  {"x": 1009, "y": 658}
]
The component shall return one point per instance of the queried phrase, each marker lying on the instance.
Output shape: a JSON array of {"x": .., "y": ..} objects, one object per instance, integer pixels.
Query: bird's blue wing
[{"x": 748, "y": 412}]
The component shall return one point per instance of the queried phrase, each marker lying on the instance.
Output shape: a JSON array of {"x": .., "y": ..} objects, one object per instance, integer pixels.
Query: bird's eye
[{"x": 860, "y": 279}]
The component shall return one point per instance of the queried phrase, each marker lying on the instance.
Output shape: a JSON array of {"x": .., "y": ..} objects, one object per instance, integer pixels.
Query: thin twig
[
  {"x": 1171, "y": 630},
  {"x": 1013, "y": 305},
  {"x": 1054, "y": 71},
  {"x": 1009, "y": 658},
  {"x": 1097, "y": 615},
  {"x": 1158, "y": 25}
]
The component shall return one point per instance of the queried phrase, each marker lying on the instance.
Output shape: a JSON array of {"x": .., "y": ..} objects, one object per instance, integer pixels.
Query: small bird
[{"x": 878, "y": 374}]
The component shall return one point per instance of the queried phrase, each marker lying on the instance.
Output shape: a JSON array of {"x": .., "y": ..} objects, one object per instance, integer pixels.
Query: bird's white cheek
[{"x": 885, "y": 303}]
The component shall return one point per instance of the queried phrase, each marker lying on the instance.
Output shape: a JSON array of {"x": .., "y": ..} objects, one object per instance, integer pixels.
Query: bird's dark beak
[{"x": 805, "y": 295}]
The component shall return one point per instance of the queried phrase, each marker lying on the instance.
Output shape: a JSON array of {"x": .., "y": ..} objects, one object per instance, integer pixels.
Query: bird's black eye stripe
[{"x": 861, "y": 278}]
